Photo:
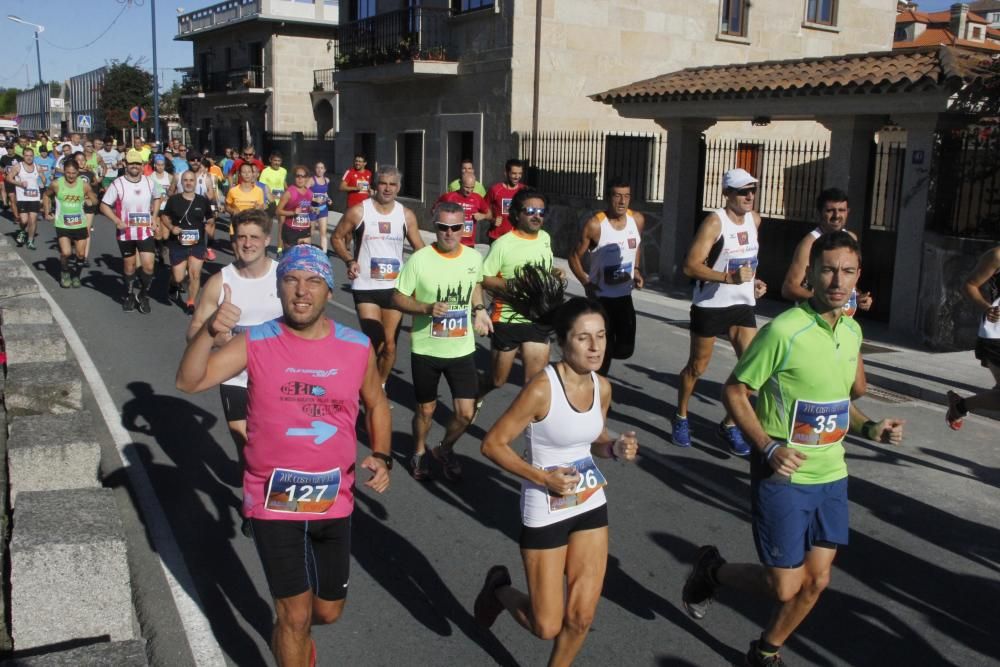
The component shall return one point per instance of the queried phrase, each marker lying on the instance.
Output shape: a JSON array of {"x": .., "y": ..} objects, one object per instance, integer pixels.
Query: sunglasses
[
  {"x": 746, "y": 192},
  {"x": 442, "y": 227},
  {"x": 135, "y": 164},
  {"x": 301, "y": 175},
  {"x": 534, "y": 210}
]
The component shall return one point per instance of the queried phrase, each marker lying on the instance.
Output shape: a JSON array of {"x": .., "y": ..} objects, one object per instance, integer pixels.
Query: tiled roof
[
  {"x": 936, "y": 36},
  {"x": 944, "y": 17},
  {"x": 894, "y": 70}
]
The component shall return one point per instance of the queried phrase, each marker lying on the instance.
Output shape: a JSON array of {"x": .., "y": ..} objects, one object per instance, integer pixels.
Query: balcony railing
[
  {"x": 323, "y": 80},
  {"x": 216, "y": 15},
  {"x": 234, "y": 80},
  {"x": 417, "y": 33}
]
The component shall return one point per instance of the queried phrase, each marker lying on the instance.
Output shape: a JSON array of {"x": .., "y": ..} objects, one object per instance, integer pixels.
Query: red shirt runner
[
  {"x": 355, "y": 178},
  {"x": 471, "y": 205},
  {"x": 498, "y": 198}
]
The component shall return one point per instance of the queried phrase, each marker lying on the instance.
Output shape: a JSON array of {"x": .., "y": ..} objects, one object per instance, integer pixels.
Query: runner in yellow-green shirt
[{"x": 441, "y": 286}]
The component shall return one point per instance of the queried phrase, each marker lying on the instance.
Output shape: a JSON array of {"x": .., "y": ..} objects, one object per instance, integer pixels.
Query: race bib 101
[
  {"x": 591, "y": 480},
  {"x": 453, "y": 324},
  {"x": 820, "y": 424},
  {"x": 384, "y": 268},
  {"x": 302, "y": 492}
]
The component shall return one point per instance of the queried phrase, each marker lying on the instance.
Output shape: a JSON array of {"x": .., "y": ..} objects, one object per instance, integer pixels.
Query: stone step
[
  {"x": 69, "y": 569},
  {"x": 14, "y": 269},
  {"x": 43, "y": 388},
  {"x": 130, "y": 653},
  {"x": 12, "y": 287},
  {"x": 50, "y": 452},
  {"x": 25, "y": 310},
  {"x": 31, "y": 343}
]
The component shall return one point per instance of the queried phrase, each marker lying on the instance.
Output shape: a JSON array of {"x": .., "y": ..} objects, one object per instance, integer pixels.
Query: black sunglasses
[
  {"x": 443, "y": 227},
  {"x": 746, "y": 191},
  {"x": 534, "y": 210}
]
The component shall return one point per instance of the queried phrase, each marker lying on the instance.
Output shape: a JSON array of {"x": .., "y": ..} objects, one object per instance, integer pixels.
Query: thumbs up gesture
[{"x": 226, "y": 316}]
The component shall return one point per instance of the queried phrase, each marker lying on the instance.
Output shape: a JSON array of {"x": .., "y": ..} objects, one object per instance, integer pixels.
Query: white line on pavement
[{"x": 204, "y": 648}]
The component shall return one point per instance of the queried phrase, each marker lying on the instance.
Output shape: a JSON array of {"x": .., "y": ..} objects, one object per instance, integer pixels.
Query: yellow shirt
[{"x": 241, "y": 200}]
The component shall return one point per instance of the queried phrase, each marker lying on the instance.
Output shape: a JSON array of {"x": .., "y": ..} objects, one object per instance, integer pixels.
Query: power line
[{"x": 125, "y": 5}]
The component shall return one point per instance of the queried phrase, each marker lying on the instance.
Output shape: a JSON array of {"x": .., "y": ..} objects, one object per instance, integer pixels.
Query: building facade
[{"x": 253, "y": 69}]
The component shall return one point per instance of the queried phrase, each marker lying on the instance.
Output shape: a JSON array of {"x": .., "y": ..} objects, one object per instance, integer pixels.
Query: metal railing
[
  {"x": 965, "y": 186},
  {"x": 240, "y": 79},
  {"x": 416, "y": 33},
  {"x": 210, "y": 17},
  {"x": 790, "y": 174},
  {"x": 886, "y": 185},
  {"x": 579, "y": 164},
  {"x": 323, "y": 80}
]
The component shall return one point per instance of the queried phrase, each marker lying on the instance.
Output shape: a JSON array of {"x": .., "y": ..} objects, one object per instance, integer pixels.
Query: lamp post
[
  {"x": 38, "y": 52},
  {"x": 156, "y": 79}
]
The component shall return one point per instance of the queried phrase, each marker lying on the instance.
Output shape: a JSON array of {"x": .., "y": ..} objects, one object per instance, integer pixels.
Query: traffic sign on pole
[
  {"x": 137, "y": 114},
  {"x": 84, "y": 122}
]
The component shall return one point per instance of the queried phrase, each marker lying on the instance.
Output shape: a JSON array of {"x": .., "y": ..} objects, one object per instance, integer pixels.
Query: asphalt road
[{"x": 918, "y": 585}]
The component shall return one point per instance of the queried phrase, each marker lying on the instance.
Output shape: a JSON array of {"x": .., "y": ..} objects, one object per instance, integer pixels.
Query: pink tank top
[
  {"x": 301, "y": 203},
  {"x": 302, "y": 406}
]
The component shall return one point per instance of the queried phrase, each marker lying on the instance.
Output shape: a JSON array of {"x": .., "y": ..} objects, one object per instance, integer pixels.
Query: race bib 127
[{"x": 302, "y": 492}]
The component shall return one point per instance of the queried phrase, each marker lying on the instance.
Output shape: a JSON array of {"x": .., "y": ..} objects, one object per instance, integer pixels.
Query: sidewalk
[{"x": 890, "y": 363}]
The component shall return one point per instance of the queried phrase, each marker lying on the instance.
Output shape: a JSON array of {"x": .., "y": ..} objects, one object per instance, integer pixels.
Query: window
[
  {"x": 459, "y": 6},
  {"x": 823, "y": 12},
  {"x": 366, "y": 9},
  {"x": 900, "y": 35},
  {"x": 734, "y": 18},
  {"x": 977, "y": 33},
  {"x": 410, "y": 160}
]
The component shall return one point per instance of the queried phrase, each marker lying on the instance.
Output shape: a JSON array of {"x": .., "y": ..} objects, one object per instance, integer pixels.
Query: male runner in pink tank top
[{"x": 306, "y": 373}]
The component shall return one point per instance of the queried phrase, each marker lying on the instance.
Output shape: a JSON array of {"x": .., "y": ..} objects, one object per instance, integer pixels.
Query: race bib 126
[
  {"x": 302, "y": 492},
  {"x": 820, "y": 424},
  {"x": 384, "y": 268},
  {"x": 453, "y": 324},
  {"x": 591, "y": 480}
]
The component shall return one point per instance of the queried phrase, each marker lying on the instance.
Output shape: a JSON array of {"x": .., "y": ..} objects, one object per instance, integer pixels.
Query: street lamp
[{"x": 38, "y": 52}]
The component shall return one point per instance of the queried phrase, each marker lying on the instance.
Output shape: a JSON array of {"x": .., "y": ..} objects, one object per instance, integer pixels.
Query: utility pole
[{"x": 156, "y": 79}]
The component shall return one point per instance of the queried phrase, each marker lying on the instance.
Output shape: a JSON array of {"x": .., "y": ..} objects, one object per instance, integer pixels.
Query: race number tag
[
  {"x": 851, "y": 306},
  {"x": 618, "y": 274},
  {"x": 31, "y": 192},
  {"x": 276, "y": 194},
  {"x": 72, "y": 219},
  {"x": 505, "y": 205},
  {"x": 363, "y": 185},
  {"x": 190, "y": 236},
  {"x": 302, "y": 492},
  {"x": 820, "y": 424},
  {"x": 140, "y": 220},
  {"x": 319, "y": 199},
  {"x": 734, "y": 264},
  {"x": 300, "y": 221},
  {"x": 469, "y": 229},
  {"x": 591, "y": 479},
  {"x": 453, "y": 324},
  {"x": 384, "y": 268}
]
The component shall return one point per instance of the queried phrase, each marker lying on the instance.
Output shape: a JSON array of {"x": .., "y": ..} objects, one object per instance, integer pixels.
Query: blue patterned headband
[{"x": 305, "y": 257}]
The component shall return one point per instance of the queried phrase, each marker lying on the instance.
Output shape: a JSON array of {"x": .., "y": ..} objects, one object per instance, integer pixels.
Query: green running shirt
[{"x": 510, "y": 251}]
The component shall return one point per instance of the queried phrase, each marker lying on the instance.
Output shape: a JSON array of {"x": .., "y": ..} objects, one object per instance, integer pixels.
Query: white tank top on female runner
[
  {"x": 562, "y": 438},
  {"x": 32, "y": 179},
  {"x": 987, "y": 329},
  {"x": 162, "y": 182},
  {"x": 257, "y": 299},
  {"x": 739, "y": 246},
  {"x": 612, "y": 262},
  {"x": 378, "y": 246}
]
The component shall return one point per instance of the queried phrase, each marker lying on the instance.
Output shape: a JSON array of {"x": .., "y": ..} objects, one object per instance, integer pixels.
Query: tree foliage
[
  {"x": 170, "y": 100},
  {"x": 125, "y": 86},
  {"x": 8, "y": 101}
]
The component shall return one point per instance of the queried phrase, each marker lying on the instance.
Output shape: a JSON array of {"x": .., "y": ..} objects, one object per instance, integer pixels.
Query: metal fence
[
  {"x": 416, "y": 33},
  {"x": 579, "y": 164},
  {"x": 886, "y": 185},
  {"x": 323, "y": 80},
  {"x": 965, "y": 187},
  {"x": 790, "y": 174}
]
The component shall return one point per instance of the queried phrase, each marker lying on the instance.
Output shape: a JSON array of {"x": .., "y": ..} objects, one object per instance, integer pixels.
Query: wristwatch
[
  {"x": 384, "y": 458},
  {"x": 476, "y": 308}
]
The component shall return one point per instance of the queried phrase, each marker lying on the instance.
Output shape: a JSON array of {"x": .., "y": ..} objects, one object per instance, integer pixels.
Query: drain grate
[{"x": 886, "y": 396}]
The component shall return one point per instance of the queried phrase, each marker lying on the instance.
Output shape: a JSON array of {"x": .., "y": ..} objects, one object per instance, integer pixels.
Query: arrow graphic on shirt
[{"x": 320, "y": 432}]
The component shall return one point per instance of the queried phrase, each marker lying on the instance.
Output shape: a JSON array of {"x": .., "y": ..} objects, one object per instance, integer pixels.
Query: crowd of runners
[{"x": 293, "y": 382}]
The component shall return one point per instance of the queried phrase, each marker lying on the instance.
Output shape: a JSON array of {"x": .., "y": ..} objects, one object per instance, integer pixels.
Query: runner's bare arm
[
  {"x": 988, "y": 264},
  {"x": 640, "y": 224},
  {"x": 624, "y": 446},
  {"x": 782, "y": 459},
  {"x": 792, "y": 288},
  {"x": 344, "y": 187},
  {"x": 888, "y": 431},
  {"x": 282, "y": 203},
  {"x": 408, "y": 304},
  {"x": 378, "y": 421},
  {"x": 208, "y": 300},
  {"x": 89, "y": 195},
  {"x": 706, "y": 236},
  {"x": 481, "y": 319},
  {"x": 413, "y": 230},
  {"x": 589, "y": 238},
  {"x": 200, "y": 369},
  {"x": 343, "y": 231},
  {"x": 47, "y": 197}
]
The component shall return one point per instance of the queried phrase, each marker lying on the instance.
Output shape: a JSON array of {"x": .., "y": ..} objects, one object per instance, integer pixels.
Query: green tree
[
  {"x": 8, "y": 101},
  {"x": 170, "y": 100},
  {"x": 125, "y": 86}
]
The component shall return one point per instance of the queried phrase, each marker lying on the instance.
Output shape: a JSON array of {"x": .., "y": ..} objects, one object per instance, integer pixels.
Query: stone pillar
[
  {"x": 912, "y": 220},
  {"x": 851, "y": 140},
  {"x": 680, "y": 192}
]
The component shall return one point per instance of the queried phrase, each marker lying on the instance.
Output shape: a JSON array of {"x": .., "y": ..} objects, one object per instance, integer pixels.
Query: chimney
[{"x": 959, "y": 14}]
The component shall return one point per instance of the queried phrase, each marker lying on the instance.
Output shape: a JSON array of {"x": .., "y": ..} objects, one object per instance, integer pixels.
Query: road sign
[
  {"x": 137, "y": 114},
  {"x": 84, "y": 122}
]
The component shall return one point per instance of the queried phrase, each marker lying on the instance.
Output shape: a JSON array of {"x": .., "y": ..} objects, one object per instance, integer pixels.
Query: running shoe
[
  {"x": 64, "y": 279},
  {"x": 450, "y": 466},
  {"x": 755, "y": 658},
  {"x": 75, "y": 282},
  {"x": 210, "y": 254},
  {"x": 128, "y": 304},
  {"x": 681, "y": 435},
  {"x": 418, "y": 468},
  {"x": 31, "y": 244},
  {"x": 733, "y": 436},
  {"x": 487, "y": 607},
  {"x": 954, "y": 416},
  {"x": 20, "y": 238},
  {"x": 189, "y": 307},
  {"x": 143, "y": 304},
  {"x": 699, "y": 587}
]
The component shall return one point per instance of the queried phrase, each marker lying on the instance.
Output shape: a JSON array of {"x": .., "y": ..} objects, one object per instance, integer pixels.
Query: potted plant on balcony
[{"x": 437, "y": 53}]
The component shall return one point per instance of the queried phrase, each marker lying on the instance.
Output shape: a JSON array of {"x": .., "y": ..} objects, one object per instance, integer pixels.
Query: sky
[{"x": 71, "y": 24}]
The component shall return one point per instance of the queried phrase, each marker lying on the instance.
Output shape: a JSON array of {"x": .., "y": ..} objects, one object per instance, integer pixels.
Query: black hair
[
  {"x": 830, "y": 194},
  {"x": 513, "y": 162},
  {"x": 253, "y": 216},
  {"x": 538, "y": 295},
  {"x": 615, "y": 182},
  {"x": 521, "y": 196},
  {"x": 833, "y": 241}
]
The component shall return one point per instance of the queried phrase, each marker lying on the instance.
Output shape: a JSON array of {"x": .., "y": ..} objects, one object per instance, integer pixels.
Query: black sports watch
[{"x": 384, "y": 458}]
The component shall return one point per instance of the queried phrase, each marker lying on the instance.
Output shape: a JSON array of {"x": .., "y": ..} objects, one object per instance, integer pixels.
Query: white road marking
[{"x": 204, "y": 648}]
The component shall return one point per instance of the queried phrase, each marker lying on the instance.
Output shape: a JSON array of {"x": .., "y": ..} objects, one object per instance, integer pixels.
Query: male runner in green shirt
[
  {"x": 441, "y": 286},
  {"x": 806, "y": 367}
]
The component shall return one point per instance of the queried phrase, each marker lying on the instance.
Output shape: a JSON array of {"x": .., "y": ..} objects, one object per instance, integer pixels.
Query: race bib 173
[
  {"x": 140, "y": 220},
  {"x": 302, "y": 492}
]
